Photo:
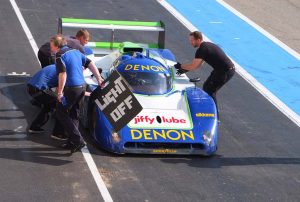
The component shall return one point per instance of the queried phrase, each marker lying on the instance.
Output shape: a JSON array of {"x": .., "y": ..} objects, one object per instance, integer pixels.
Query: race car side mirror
[{"x": 195, "y": 80}]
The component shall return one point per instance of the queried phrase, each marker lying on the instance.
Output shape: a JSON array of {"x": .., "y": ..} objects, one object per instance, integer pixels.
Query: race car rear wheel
[{"x": 92, "y": 119}]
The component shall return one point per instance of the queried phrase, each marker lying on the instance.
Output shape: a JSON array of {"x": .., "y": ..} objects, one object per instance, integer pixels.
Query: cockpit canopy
[{"x": 145, "y": 75}]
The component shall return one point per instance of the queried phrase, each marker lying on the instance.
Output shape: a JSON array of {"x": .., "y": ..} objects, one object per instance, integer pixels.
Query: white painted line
[
  {"x": 95, "y": 172},
  {"x": 261, "y": 30},
  {"x": 17, "y": 74},
  {"x": 25, "y": 27},
  {"x": 241, "y": 71},
  {"x": 180, "y": 17},
  {"x": 85, "y": 152}
]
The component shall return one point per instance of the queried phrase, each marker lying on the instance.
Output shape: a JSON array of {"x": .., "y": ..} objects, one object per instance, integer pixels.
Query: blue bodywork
[{"x": 200, "y": 139}]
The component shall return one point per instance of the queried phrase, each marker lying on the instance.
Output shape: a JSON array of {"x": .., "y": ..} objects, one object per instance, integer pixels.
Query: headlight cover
[
  {"x": 207, "y": 136},
  {"x": 116, "y": 138}
]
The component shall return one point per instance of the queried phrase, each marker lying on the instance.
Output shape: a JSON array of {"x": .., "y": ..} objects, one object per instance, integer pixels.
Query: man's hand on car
[
  {"x": 177, "y": 65},
  {"x": 181, "y": 71}
]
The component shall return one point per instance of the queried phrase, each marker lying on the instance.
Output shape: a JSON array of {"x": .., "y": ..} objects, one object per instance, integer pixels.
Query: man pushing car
[{"x": 223, "y": 67}]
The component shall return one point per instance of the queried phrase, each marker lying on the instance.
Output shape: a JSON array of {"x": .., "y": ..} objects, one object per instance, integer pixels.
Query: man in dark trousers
[
  {"x": 78, "y": 42},
  {"x": 39, "y": 87},
  {"x": 223, "y": 68},
  {"x": 71, "y": 88}
]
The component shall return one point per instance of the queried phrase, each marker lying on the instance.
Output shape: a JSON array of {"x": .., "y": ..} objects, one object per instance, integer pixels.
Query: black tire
[{"x": 91, "y": 118}]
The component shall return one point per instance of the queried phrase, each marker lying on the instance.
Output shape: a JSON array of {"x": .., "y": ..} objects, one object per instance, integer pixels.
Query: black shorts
[
  {"x": 216, "y": 80},
  {"x": 45, "y": 59}
]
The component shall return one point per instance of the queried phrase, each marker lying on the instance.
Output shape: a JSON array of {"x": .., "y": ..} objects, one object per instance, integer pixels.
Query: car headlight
[
  {"x": 116, "y": 138},
  {"x": 207, "y": 136}
]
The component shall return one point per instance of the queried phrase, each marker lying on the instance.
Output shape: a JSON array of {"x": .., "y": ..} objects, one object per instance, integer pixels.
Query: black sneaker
[
  {"x": 35, "y": 103},
  {"x": 36, "y": 130},
  {"x": 67, "y": 145},
  {"x": 59, "y": 137},
  {"x": 78, "y": 147}
]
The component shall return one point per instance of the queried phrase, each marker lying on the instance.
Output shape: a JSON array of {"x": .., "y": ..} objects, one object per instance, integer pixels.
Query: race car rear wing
[{"x": 106, "y": 47}]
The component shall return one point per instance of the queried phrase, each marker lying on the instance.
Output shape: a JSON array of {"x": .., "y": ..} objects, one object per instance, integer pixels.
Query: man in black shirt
[
  {"x": 78, "y": 42},
  {"x": 223, "y": 68}
]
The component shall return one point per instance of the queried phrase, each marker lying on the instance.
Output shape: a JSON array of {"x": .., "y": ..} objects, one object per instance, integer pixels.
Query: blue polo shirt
[
  {"x": 87, "y": 50},
  {"x": 45, "y": 78},
  {"x": 71, "y": 61}
]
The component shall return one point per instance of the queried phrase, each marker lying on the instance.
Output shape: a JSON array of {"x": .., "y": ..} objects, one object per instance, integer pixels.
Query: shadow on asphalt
[
  {"x": 14, "y": 79},
  {"x": 93, "y": 147},
  {"x": 40, "y": 155},
  {"x": 17, "y": 144},
  {"x": 215, "y": 161},
  {"x": 218, "y": 161}
]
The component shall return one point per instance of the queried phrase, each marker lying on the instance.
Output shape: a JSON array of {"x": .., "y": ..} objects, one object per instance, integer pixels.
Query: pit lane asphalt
[{"x": 258, "y": 157}]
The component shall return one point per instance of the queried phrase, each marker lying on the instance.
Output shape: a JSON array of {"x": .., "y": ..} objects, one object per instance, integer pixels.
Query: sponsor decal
[
  {"x": 173, "y": 135},
  {"x": 161, "y": 119},
  {"x": 144, "y": 68},
  {"x": 205, "y": 115},
  {"x": 158, "y": 119},
  {"x": 164, "y": 151}
]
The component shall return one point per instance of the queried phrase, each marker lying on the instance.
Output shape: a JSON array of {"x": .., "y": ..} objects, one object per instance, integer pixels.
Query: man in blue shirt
[
  {"x": 71, "y": 88},
  {"x": 39, "y": 87}
]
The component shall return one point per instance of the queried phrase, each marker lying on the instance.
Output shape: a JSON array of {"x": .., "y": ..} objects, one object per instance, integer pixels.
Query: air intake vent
[
  {"x": 150, "y": 145},
  {"x": 125, "y": 50}
]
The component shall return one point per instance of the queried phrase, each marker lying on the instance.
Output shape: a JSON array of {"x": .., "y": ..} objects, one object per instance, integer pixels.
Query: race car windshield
[
  {"x": 155, "y": 55},
  {"x": 148, "y": 83}
]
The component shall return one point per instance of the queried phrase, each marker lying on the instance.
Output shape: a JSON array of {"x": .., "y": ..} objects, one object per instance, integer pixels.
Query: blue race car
[{"x": 177, "y": 116}]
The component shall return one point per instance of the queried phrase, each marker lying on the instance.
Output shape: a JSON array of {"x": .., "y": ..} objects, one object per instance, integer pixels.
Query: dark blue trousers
[
  {"x": 47, "y": 99},
  {"x": 68, "y": 114}
]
